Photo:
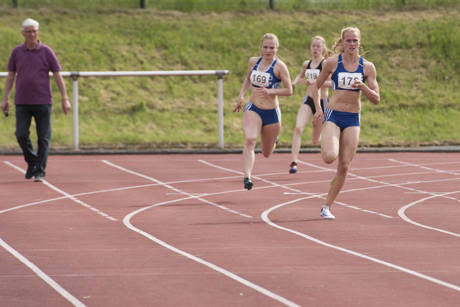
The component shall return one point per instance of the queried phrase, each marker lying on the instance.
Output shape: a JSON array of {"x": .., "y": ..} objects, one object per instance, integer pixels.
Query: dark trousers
[{"x": 42, "y": 116}]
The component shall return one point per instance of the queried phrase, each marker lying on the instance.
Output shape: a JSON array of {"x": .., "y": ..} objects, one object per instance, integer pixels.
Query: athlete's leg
[
  {"x": 304, "y": 116},
  {"x": 269, "y": 135},
  {"x": 318, "y": 127},
  {"x": 348, "y": 144},
  {"x": 252, "y": 124},
  {"x": 316, "y": 134},
  {"x": 330, "y": 142}
]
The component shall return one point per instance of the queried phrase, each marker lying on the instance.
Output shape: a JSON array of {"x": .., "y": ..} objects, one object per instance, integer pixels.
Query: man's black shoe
[
  {"x": 39, "y": 177},
  {"x": 31, "y": 170}
]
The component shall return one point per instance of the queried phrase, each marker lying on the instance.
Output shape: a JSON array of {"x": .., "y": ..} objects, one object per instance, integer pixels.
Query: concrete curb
[{"x": 232, "y": 151}]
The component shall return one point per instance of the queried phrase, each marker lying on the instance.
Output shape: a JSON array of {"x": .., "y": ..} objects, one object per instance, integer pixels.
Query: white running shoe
[{"x": 326, "y": 213}]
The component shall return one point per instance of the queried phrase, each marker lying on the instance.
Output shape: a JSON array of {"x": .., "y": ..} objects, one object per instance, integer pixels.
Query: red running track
[{"x": 180, "y": 230}]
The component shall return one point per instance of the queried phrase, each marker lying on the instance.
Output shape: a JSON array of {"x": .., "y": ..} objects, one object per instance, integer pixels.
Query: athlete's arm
[
  {"x": 371, "y": 90},
  {"x": 327, "y": 83},
  {"x": 328, "y": 67},
  {"x": 300, "y": 76},
  {"x": 245, "y": 86}
]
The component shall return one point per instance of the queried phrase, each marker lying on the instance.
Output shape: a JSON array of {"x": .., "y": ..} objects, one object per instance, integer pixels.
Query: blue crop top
[
  {"x": 342, "y": 79},
  {"x": 266, "y": 78}
]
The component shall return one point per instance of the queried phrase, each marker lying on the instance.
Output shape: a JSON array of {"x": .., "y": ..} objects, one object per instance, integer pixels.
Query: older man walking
[{"x": 30, "y": 64}]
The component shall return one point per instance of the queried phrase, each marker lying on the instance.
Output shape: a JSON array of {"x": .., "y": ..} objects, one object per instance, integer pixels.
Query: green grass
[{"x": 414, "y": 50}]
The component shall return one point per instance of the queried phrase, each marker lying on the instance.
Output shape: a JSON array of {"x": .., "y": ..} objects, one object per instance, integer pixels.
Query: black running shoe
[
  {"x": 293, "y": 168},
  {"x": 247, "y": 183}
]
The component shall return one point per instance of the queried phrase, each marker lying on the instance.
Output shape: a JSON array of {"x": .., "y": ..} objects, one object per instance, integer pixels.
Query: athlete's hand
[
  {"x": 318, "y": 117},
  {"x": 357, "y": 83},
  {"x": 238, "y": 105}
]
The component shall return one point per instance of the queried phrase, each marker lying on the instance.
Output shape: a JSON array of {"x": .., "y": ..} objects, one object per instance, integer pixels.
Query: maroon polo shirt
[{"x": 32, "y": 67}]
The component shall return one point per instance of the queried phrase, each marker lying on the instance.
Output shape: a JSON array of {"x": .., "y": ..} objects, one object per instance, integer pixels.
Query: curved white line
[
  {"x": 312, "y": 195},
  {"x": 265, "y": 218},
  {"x": 108, "y": 191},
  {"x": 53, "y": 284},
  {"x": 127, "y": 223},
  {"x": 402, "y": 214},
  {"x": 175, "y": 189},
  {"x": 401, "y": 186},
  {"x": 32, "y": 204}
]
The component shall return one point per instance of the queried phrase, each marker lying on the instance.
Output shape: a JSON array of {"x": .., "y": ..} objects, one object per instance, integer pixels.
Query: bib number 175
[{"x": 346, "y": 79}]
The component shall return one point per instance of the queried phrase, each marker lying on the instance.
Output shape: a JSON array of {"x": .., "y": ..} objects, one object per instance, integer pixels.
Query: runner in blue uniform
[
  {"x": 340, "y": 136},
  {"x": 262, "y": 115},
  {"x": 309, "y": 73}
]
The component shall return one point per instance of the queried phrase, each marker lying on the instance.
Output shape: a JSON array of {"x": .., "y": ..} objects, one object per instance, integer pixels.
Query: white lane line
[
  {"x": 296, "y": 191},
  {"x": 395, "y": 166},
  {"x": 401, "y": 186},
  {"x": 175, "y": 189},
  {"x": 267, "y": 220},
  {"x": 67, "y": 195},
  {"x": 53, "y": 284},
  {"x": 127, "y": 223},
  {"x": 369, "y": 211},
  {"x": 113, "y": 190},
  {"x": 256, "y": 177},
  {"x": 382, "y": 184},
  {"x": 430, "y": 169},
  {"x": 326, "y": 169},
  {"x": 75, "y": 195},
  {"x": 191, "y": 194},
  {"x": 300, "y": 182},
  {"x": 402, "y": 214},
  {"x": 225, "y": 192},
  {"x": 370, "y": 177},
  {"x": 401, "y": 211},
  {"x": 424, "y": 167},
  {"x": 32, "y": 204},
  {"x": 202, "y": 180}
]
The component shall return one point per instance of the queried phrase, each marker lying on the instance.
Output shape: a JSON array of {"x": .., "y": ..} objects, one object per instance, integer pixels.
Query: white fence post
[
  {"x": 220, "y": 109},
  {"x": 76, "y": 133}
]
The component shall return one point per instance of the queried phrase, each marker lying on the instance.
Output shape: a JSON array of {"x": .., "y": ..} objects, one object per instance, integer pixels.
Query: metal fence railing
[
  {"x": 82, "y": 74},
  {"x": 198, "y": 5}
]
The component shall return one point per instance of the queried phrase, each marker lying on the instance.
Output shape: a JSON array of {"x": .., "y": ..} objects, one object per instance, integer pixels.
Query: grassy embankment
[{"x": 415, "y": 53}]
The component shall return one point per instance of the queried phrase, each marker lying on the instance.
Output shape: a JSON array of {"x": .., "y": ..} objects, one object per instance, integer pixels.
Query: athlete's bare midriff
[
  {"x": 266, "y": 103},
  {"x": 345, "y": 101}
]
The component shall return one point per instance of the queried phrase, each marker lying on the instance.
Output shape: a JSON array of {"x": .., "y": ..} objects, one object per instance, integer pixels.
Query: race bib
[
  {"x": 260, "y": 78},
  {"x": 312, "y": 74},
  {"x": 346, "y": 79}
]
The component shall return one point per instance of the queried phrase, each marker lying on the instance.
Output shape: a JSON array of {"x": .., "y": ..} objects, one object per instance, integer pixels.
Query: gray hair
[{"x": 29, "y": 22}]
